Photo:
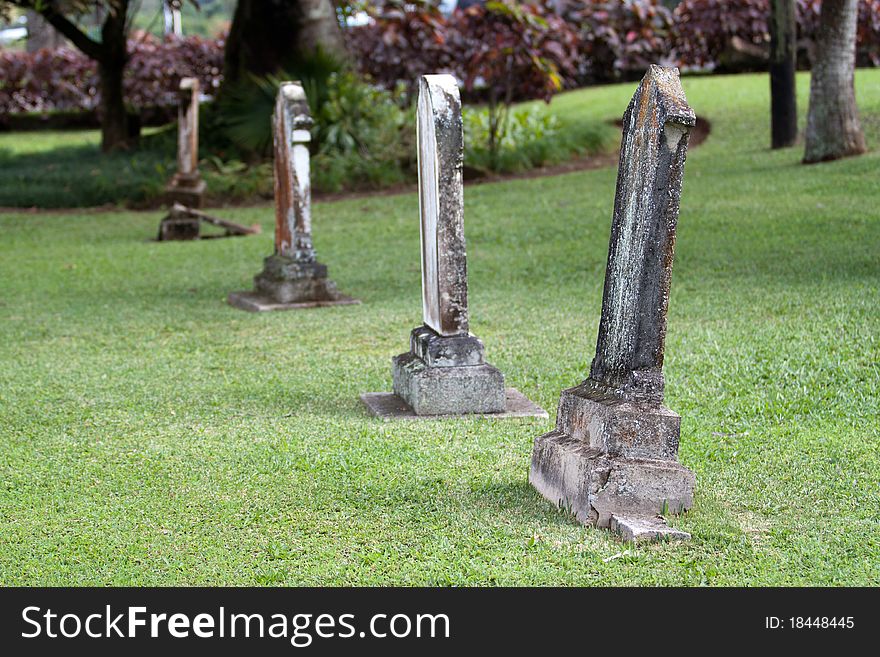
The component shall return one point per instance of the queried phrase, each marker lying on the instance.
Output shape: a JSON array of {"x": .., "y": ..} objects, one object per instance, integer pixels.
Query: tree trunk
[
  {"x": 40, "y": 34},
  {"x": 320, "y": 28},
  {"x": 111, "y": 68},
  {"x": 833, "y": 129},
  {"x": 267, "y": 36},
  {"x": 111, "y": 54},
  {"x": 114, "y": 119},
  {"x": 783, "y": 60}
]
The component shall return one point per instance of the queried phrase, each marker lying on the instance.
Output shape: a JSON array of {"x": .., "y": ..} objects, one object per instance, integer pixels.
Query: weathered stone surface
[
  {"x": 293, "y": 193},
  {"x": 636, "y": 529},
  {"x": 388, "y": 406},
  {"x": 445, "y": 371},
  {"x": 447, "y": 390},
  {"x": 178, "y": 225},
  {"x": 632, "y": 332},
  {"x": 615, "y": 445},
  {"x": 617, "y": 426},
  {"x": 441, "y": 351},
  {"x": 593, "y": 485},
  {"x": 292, "y": 277},
  {"x": 258, "y": 303},
  {"x": 187, "y": 186},
  {"x": 300, "y": 288},
  {"x": 441, "y": 206}
]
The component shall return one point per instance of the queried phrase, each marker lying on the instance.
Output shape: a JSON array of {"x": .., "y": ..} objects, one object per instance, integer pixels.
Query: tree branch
[{"x": 67, "y": 28}]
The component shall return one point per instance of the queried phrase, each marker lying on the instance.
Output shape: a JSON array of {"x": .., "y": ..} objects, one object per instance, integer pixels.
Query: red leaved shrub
[
  {"x": 704, "y": 29},
  {"x": 619, "y": 39},
  {"x": 404, "y": 40},
  {"x": 505, "y": 51},
  {"x": 65, "y": 80}
]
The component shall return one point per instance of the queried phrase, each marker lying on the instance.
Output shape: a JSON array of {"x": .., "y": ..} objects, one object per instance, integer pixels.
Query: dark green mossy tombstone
[{"x": 612, "y": 459}]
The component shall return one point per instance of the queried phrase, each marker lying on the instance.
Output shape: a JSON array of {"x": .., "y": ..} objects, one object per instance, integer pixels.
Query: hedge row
[
  {"x": 64, "y": 80},
  {"x": 595, "y": 41},
  {"x": 617, "y": 40}
]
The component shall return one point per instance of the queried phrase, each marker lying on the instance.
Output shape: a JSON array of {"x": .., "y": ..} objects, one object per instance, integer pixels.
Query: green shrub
[
  {"x": 363, "y": 136},
  {"x": 532, "y": 137}
]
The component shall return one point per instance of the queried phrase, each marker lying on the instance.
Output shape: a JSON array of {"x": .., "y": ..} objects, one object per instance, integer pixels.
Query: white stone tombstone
[
  {"x": 188, "y": 128},
  {"x": 186, "y": 189},
  {"x": 441, "y": 206},
  {"x": 445, "y": 371}
]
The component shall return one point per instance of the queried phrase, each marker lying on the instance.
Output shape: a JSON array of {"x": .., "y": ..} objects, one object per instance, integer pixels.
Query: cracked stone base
[
  {"x": 593, "y": 485},
  {"x": 612, "y": 457},
  {"x": 618, "y": 427},
  {"x": 636, "y": 529},
  {"x": 388, "y": 406}
]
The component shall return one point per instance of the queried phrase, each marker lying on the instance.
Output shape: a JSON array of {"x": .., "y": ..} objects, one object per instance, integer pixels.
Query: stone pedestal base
[
  {"x": 447, "y": 376},
  {"x": 611, "y": 458},
  {"x": 285, "y": 284},
  {"x": 447, "y": 390},
  {"x": 188, "y": 191},
  {"x": 178, "y": 226}
]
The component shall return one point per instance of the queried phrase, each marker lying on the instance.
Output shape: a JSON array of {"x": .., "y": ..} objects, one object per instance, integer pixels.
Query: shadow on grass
[{"x": 81, "y": 176}]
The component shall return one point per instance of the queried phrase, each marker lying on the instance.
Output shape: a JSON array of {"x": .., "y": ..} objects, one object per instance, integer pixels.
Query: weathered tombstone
[
  {"x": 186, "y": 187},
  {"x": 612, "y": 459},
  {"x": 292, "y": 277},
  {"x": 444, "y": 372}
]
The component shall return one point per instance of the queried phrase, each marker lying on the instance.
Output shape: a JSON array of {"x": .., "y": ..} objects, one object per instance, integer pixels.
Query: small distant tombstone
[
  {"x": 292, "y": 277},
  {"x": 186, "y": 187},
  {"x": 444, "y": 372},
  {"x": 612, "y": 459}
]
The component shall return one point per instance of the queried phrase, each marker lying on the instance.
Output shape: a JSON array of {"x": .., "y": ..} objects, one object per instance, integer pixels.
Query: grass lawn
[{"x": 152, "y": 435}]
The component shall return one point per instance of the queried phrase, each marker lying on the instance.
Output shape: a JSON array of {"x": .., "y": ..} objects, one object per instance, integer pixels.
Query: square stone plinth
[
  {"x": 255, "y": 302},
  {"x": 646, "y": 430},
  {"x": 594, "y": 485},
  {"x": 388, "y": 406},
  {"x": 178, "y": 227},
  {"x": 447, "y": 390}
]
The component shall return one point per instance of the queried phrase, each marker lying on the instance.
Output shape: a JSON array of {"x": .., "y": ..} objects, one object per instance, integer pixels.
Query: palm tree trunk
[{"x": 833, "y": 129}]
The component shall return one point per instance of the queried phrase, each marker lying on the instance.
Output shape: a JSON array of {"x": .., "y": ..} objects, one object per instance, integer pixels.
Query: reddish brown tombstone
[{"x": 292, "y": 277}]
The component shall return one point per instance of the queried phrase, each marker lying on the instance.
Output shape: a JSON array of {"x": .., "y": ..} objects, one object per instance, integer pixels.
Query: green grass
[
  {"x": 150, "y": 434},
  {"x": 58, "y": 169}
]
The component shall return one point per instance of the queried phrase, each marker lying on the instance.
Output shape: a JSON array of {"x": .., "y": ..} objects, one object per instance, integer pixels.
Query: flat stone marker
[
  {"x": 292, "y": 277},
  {"x": 445, "y": 372},
  {"x": 614, "y": 450}
]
